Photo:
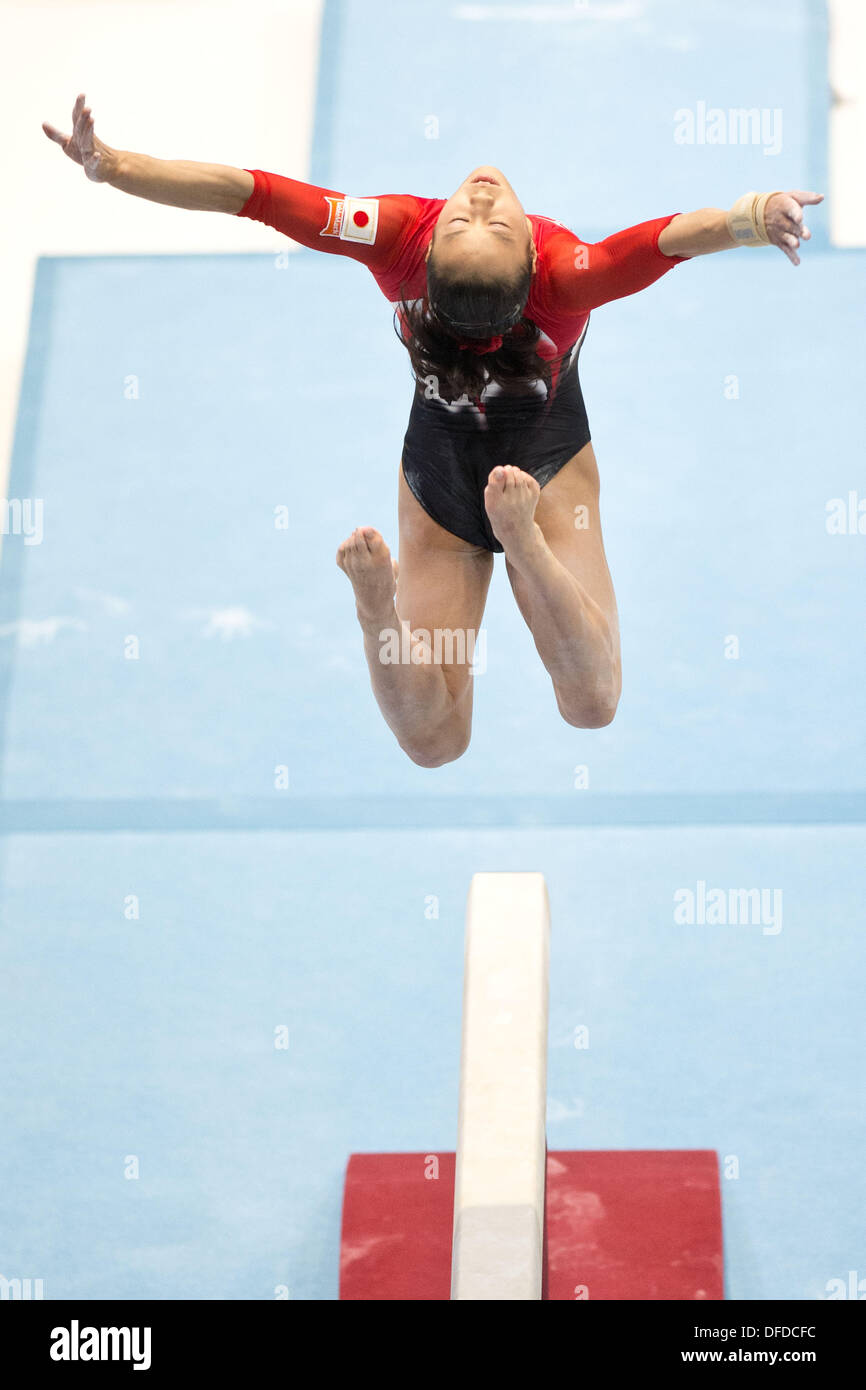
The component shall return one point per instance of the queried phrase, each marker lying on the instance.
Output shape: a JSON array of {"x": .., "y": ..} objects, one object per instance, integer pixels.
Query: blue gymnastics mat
[
  {"x": 147, "y": 976},
  {"x": 580, "y": 102}
]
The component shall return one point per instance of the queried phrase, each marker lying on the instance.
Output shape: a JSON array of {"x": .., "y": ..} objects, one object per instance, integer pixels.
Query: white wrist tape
[{"x": 746, "y": 219}]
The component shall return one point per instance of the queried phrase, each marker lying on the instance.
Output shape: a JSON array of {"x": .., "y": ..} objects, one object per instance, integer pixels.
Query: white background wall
[
  {"x": 847, "y": 81},
  {"x": 228, "y": 82}
]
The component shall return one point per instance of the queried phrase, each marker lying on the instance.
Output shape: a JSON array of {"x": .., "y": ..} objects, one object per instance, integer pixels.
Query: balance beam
[
  {"x": 498, "y": 1236},
  {"x": 622, "y": 1224}
]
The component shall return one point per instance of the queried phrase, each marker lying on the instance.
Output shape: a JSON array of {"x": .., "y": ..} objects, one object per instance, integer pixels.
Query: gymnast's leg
[
  {"x": 422, "y": 684},
  {"x": 555, "y": 559}
]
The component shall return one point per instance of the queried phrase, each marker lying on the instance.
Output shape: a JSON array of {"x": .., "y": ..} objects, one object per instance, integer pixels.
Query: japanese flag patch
[{"x": 352, "y": 219}]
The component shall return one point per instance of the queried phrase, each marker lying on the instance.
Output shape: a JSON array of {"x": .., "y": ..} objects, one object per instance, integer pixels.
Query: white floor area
[{"x": 232, "y": 83}]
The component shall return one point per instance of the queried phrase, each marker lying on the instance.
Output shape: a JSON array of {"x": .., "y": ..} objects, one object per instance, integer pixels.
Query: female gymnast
[{"x": 493, "y": 306}]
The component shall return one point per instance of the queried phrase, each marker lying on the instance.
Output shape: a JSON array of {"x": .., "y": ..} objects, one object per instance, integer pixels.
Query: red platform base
[{"x": 620, "y": 1225}]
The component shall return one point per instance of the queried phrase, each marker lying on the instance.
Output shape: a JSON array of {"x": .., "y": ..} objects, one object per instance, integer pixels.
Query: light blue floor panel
[
  {"x": 575, "y": 100},
  {"x": 154, "y": 1037}
]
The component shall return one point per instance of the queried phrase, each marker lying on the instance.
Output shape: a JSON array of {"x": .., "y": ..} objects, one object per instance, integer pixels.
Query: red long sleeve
[
  {"x": 583, "y": 275},
  {"x": 369, "y": 230}
]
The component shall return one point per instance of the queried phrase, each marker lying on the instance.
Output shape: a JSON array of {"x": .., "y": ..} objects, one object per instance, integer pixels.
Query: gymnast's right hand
[{"x": 96, "y": 159}]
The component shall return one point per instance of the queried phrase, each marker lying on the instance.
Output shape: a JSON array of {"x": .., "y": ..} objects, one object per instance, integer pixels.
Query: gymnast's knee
[
  {"x": 436, "y": 747},
  {"x": 588, "y": 712}
]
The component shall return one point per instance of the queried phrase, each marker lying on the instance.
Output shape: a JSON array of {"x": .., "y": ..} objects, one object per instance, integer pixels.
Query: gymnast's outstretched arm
[
  {"x": 179, "y": 183},
  {"x": 367, "y": 230},
  {"x": 585, "y": 275},
  {"x": 774, "y": 219}
]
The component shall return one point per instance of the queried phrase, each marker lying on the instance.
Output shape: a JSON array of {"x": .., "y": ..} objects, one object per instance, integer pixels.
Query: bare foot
[
  {"x": 366, "y": 559},
  {"x": 510, "y": 499}
]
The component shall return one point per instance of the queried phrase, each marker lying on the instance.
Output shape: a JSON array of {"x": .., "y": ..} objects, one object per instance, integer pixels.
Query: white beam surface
[{"x": 501, "y": 1150}]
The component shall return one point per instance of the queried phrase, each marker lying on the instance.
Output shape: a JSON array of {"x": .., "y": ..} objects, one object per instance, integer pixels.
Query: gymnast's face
[{"x": 483, "y": 224}]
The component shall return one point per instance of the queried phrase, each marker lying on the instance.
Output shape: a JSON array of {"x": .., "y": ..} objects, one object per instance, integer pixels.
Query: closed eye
[{"x": 490, "y": 224}]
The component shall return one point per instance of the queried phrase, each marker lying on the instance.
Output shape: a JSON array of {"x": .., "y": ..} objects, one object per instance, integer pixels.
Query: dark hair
[{"x": 459, "y": 307}]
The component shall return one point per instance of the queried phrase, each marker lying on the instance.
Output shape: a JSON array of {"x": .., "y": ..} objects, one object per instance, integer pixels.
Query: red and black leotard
[{"x": 449, "y": 449}]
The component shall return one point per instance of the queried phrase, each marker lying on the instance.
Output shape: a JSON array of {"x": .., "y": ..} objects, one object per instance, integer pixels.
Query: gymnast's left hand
[{"x": 783, "y": 219}]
